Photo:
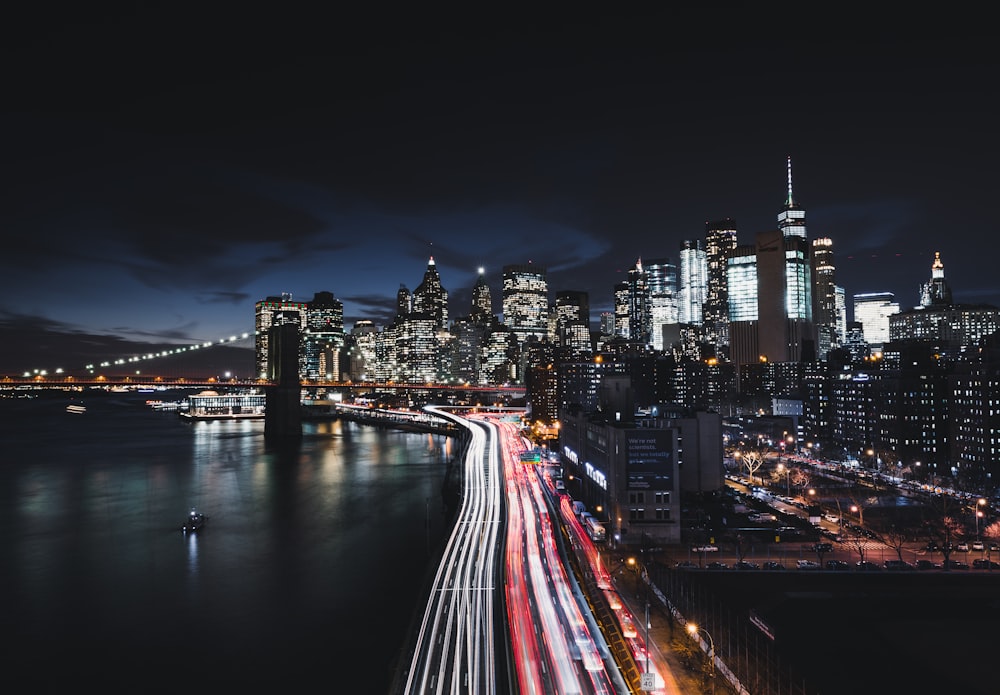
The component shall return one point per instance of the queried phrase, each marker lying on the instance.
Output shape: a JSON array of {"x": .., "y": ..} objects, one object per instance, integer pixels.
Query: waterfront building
[
  {"x": 323, "y": 340},
  {"x": 362, "y": 358},
  {"x": 272, "y": 311}
]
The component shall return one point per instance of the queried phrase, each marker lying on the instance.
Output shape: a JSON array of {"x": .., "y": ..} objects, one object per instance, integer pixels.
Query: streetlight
[
  {"x": 788, "y": 485},
  {"x": 979, "y": 512},
  {"x": 855, "y": 509},
  {"x": 694, "y": 630}
]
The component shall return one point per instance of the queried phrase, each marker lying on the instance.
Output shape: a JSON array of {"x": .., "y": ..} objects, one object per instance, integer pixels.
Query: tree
[
  {"x": 942, "y": 525},
  {"x": 752, "y": 460},
  {"x": 992, "y": 535},
  {"x": 895, "y": 537}
]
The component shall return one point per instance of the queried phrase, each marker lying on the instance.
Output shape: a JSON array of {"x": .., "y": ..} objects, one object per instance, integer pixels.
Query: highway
[
  {"x": 556, "y": 643},
  {"x": 455, "y": 647}
]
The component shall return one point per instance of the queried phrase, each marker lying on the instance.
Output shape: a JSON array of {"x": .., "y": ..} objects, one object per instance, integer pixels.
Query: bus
[{"x": 595, "y": 529}]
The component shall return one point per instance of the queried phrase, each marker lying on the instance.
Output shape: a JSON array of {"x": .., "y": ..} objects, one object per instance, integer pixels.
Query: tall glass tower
[
  {"x": 693, "y": 286},
  {"x": 662, "y": 278}
]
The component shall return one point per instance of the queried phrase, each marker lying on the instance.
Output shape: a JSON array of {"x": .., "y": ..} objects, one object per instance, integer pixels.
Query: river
[{"x": 308, "y": 573}]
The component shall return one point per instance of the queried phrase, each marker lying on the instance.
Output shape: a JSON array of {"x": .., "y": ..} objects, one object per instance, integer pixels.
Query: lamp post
[
  {"x": 788, "y": 485},
  {"x": 979, "y": 512},
  {"x": 855, "y": 509},
  {"x": 694, "y": 630}
]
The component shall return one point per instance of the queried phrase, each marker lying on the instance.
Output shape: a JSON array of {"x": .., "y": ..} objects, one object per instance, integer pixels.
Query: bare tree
[
  {"x": 752, "y": 460},
  {"x": 942, "y": 525},
  {"x": 895, "y": 537}
]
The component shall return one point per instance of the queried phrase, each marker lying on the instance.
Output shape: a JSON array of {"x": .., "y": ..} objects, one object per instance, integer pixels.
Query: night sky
[{"x": 164, "y": 168}]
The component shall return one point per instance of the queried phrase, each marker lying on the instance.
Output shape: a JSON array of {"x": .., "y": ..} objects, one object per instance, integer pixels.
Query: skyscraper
[
  {"x": 323, "y": 339},
  {"x": 720, "y": 243},
  {"x": 824, "y": 297},
  {"x": 430, "y": 297},
  {"x": 526, "y": 301},
  {"x": 935, "y": 292},
  {"x": 640, "y": 322},
  {"x": 274, "y": 311},
  {"x": 792, "y": 218},
  {"x": 662, "y": 278},
  {"x": 482, "y": 300},
  {"x": 693, "y": 285}
]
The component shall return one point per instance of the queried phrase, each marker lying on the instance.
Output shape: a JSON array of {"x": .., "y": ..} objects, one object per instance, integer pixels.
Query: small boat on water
[
  {"x": 195, "y": 522},
  {"x": 76, "y": 409}
]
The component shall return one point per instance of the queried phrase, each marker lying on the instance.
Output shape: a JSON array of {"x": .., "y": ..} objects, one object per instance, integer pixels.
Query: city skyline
[{"x": 153, "y": 193}]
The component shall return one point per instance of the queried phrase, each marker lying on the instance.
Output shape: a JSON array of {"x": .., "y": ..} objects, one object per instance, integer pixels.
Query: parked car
[
  {"x": 837, "y": 565},
  {"x": 984, "y": 564},
  {"x": 867, "y": 566},
  {"x": 746, "y": 565},
  {"x": 717, "y": 566},
  {"x": 808, "y": 565},
  {"x": 962, "y": 547},
  {"x": 686, "y": 564},
  {"x": 898, "y": 565},
  {"x": 705, "y": 549},
  {"x": 823, "y": 547},
  {"x": 772, "y": 565},
  {"x": 978, "y": 545},
  {"x": 928, "y": 565},
  {"x": 957, "y": 565}
]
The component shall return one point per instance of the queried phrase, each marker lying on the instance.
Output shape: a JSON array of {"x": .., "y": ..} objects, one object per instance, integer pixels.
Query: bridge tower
[{"x": 283, "y": 411}]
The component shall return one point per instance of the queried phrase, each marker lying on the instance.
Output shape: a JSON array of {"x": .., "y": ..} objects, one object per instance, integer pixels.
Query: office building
[
  {"x": 720, "y": 243},
  {"x": 323, "y": 339},
  {"x": 693, "y": 286},
  {"x": 661, "y": 275},
  {"x": 273, "y": 311},
  {"x": 872, "y": 310},
  {"x": 825, "y": 315},
  {"x": 526, "y": 301}
]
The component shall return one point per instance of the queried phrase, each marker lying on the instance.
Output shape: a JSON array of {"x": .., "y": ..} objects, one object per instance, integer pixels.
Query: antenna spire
[{"x": 791, "y": 201}]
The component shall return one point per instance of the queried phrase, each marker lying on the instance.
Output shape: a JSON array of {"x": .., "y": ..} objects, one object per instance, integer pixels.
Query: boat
[
  {"x": 76, "y": 409},
  {"x": 195, "y": 522}
]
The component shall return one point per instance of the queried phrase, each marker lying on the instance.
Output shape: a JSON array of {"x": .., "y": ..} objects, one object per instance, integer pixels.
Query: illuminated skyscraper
[
  {"x": 430, "y": 297},
  {"x": 526, "y": 301},
  {"x": 662, "y": 276},
  {"x": 824, "y": 297},
  {"x": 792, "y": 218},
  {"x": 720, "y": 243},
  {"x": 482, "y": 300},
  {"x": 323, "y": 339},
  {"x": 621, "y": 299},
  {"x": 935, "y": 292},
  {"x": 640, "y": 322},
  {"x": 693, "y": 285},
  {"x": 274, "y": 311}
]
